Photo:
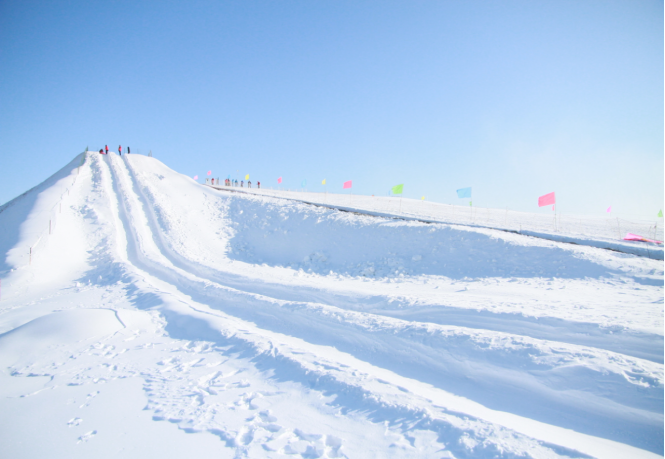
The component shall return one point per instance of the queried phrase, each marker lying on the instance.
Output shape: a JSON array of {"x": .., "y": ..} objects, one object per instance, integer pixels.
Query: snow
[{"x": 164, "y": 318}]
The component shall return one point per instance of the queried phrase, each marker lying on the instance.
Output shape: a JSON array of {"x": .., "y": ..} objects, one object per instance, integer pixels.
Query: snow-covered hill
[{"x": 157, "y": 317}]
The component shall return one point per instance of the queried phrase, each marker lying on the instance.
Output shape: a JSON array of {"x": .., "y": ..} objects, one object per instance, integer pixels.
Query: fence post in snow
[{"x": 49, "y": 226}]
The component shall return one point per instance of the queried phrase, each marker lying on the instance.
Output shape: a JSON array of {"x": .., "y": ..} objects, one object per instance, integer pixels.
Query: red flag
[
  {"x": 347, "y": 184},
  {"x": 546, "y": 200},
  {"x": 635, "y": 237}
]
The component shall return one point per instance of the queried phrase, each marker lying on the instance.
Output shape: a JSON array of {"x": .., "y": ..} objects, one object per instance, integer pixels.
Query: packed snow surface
[{"x": 145, "y": 315}]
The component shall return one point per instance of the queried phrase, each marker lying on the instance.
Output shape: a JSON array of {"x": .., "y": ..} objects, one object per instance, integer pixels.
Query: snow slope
[
  {"x": 164, "y": 318},
  {"x": 605, "y": 232}
]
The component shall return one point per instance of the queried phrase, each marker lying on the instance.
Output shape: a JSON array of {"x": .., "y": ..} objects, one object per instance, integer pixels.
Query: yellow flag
[
  {"x": 324, "y": 182},
  {"x": 247, "y": 177},
  {"x": 423, "y": 198}
]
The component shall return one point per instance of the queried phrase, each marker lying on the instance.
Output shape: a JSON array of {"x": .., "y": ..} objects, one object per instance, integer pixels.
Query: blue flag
[{"x": 464, "y": 193}]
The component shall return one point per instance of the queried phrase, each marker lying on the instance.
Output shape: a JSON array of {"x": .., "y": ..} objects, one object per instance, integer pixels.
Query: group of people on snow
[
  {"x": 105, "y": 150},
  {"x": 229, "y": 182},
  {"x": 242, "y": 183}
]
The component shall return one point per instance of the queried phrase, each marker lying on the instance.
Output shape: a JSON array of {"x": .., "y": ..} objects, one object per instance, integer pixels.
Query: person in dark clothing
[{"x": 127, "y": 150}]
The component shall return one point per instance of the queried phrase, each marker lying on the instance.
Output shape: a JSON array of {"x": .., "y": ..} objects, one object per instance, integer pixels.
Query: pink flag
[
  {"x": 209, "y": 172},
  {"x": 347, "y": 184},
  {"x": 635, "y": 237},
  {"x": 279, "y": 180},
  {"x": 546, "y": 200},
  {"x": 609, "y": 209},
  {"x": 196, "y": 177}
]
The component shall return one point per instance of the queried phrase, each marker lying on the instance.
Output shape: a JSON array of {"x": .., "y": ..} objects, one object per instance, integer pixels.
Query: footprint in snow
[
  {"x": 266, "y": 416},
  {"x": 90, "y": 397},
  {"x": 86, "y": 437},
  {"x": 74, "y": 422}
]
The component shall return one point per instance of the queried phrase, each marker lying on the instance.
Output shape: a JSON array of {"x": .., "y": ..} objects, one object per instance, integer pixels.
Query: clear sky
[{"x": 514, "y": 98}]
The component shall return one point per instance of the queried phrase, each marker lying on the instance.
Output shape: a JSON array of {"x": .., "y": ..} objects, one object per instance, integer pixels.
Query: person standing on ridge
[
  {"x": 249, "y": 184},
  {"x": 258, "y": 184},
  {"x": 107, "y": 149},
  {"x": 120, "y": 150},
  {"x": 127, "y": 150}
]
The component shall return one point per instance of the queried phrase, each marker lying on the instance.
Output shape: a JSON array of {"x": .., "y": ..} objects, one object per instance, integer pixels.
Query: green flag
[
  {"x": 397, "y": 189},
  {"x": 660, "y": 214}
]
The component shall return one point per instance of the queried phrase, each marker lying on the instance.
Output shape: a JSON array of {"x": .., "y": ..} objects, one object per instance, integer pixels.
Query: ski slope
[{"x": 163, "y": 318}]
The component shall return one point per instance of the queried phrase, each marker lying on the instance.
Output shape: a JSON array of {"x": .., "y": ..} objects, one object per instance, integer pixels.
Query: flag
[
  {"x": 609, "y": 209},
  {"x": 546, "y": 200},
  {"x": 324, "y": 182},
  {"x": 397, "y": 189},
  {"x": 423, "y": 198},
  {"x": 303, "y": 184},
  {"x": 279, "y": 180},
  {"x": 635, "y": 237},
  {"x": 660, "y": 214},
  {"x": 464, "y": 193},
  {"x": 347, "y": 184},
  {"x": 196, "y": 177},
  {"x": 247, "y": 177},
  {"x": 209, "y": 172}
]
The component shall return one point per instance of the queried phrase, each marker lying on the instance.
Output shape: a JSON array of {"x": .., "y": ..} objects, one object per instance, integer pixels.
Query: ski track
[{"x": 228, "y": 342}]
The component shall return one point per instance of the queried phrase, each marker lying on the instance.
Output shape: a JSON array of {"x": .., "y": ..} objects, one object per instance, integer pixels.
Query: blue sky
[{"x": 514, "y": 98}]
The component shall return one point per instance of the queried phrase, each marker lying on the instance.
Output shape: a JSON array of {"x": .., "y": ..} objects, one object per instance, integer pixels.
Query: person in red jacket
[
  {"x": 107, "y": 149},
  {"x": 120, "y": 150}
]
